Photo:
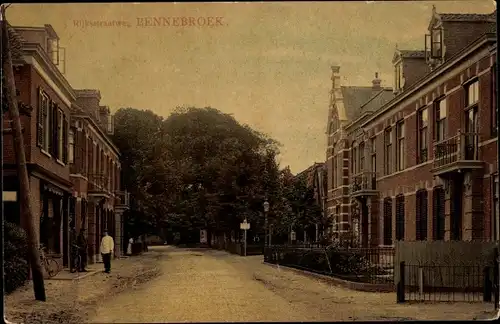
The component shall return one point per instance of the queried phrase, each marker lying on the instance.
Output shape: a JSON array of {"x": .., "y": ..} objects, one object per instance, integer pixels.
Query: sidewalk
[{"x": 70, "y": 300}]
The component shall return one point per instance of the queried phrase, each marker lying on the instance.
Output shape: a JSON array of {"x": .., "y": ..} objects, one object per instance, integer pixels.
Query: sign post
[{"x": 245, "y": 227}]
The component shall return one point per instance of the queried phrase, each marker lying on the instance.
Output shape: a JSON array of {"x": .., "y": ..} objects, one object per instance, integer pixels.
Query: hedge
[{"x": 16, "y": 267}]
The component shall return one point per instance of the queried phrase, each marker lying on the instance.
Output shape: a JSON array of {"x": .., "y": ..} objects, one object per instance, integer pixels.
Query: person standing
[
  {"x": 107, "y": 247},
  {"x": 82, "y": 244},
  {"x": 129, "y": 248}
]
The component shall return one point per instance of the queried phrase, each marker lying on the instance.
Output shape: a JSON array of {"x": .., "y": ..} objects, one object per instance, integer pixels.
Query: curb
[
  {"x": 359, "y": 286},
  {"x": 79, "y": 277}
]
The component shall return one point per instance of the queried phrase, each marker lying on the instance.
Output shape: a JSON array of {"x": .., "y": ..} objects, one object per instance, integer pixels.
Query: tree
[
  {"x": 300, "y": 210},
  {"x": 197, "y": 169}
]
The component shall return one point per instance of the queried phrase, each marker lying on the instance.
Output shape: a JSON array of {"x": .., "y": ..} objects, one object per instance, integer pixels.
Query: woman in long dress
[{"x": 129, "y": 248}]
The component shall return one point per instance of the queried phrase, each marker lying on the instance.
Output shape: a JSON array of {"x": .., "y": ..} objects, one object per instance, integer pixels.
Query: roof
[
  {"x": 355, "y": 99},
  {"x": 468, "y": 17},
  {"x": 411, "y": 53},
  {"x": 378, "y": 100}
]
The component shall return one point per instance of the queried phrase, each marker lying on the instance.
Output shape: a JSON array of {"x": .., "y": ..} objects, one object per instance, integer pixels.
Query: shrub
[
  {"x": 339, "y": 261},
  {"x": 15, "y": 264}
]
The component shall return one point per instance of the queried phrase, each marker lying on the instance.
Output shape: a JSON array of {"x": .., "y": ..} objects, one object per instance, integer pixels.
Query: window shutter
[
  {"x": 418, "y": 216},
  {"x": 388, "y": 221},
  {"x": 421, "y": 215},
  {"x": 65, "y": 140},
  {"x": 438, "y": 213},
  {"x": 400, "y": 217},
  {"x": 40, "y": 115},
  {"x": 56, "y": 131},
  {"x": 423, "y": 219}
]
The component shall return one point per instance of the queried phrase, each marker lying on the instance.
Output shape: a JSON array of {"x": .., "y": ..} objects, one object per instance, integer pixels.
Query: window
[
  {"x": 400, "y": 130},
  {"x": 388, "y": 151},
  {"x": 71, "y": 146},
  {"x": 334, "y": 170},
  {"x": 471, "y": 136},
  {"x": 387, "y": 221},
  {"x": 496, "y": 209},
  {"x": 354, "y": 157},
  {"x": 439, "y": 120},
  {"x": 422, "y": 135},
  {"x": 472, "y": 93},
  {"x": 53, "y": 130},
  {"x": 438, "y": 213},
  {"x": 340, "y": 170},
  {"x": 361, "y": 157},
  {"x": 436, "y": 43},
  {"x": 42, "y": 120},
  {"x": 421, "y": 215},
  {"x": 494, "y": 107},
  {"x": 59, "y": 142},
  {"x": 373, "y": 155},
  {"x": 400, "y": 217}
]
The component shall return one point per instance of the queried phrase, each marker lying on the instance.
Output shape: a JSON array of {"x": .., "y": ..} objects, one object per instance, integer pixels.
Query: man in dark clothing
[{"x": 82, "y": 244}]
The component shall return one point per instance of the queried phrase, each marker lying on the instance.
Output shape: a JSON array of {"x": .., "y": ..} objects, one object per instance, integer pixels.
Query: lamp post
[{"x": 266, "y": 210}]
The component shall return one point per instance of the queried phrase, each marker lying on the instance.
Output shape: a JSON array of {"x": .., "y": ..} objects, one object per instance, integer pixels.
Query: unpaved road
[{"x": 207, "y": 286}]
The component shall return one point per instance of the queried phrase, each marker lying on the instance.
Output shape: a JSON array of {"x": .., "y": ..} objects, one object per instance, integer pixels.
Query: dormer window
[
  {"x": 436, "y": 43},
  {"x": 111, "y": 125},
  {"x": 398, "y": 77},
  {"x": 53, "y": 50}
]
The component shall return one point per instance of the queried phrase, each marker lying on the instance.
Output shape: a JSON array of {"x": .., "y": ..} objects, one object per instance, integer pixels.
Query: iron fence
[
  {"x": 446, "y": 283},
  {"x": 367, "y": 265}
]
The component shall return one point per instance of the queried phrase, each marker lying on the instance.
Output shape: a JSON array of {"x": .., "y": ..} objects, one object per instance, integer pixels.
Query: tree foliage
[{"x": 201, "y": 169}]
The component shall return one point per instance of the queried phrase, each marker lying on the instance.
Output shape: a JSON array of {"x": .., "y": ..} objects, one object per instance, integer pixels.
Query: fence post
[
  {"x": 487, "y": 285},
  {"x": 401, "y": 284}
]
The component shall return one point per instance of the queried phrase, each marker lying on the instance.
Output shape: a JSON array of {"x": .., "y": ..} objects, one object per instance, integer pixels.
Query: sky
[{"x": 267, "y": 64}]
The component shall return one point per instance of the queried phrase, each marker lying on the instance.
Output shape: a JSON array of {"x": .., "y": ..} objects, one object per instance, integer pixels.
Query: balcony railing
[
  {"x": 98, "y": 182},
  {"x": 122, "y": 198},
  {"x": 363, "y": 182},
  {"x": 461, "y": 147}
]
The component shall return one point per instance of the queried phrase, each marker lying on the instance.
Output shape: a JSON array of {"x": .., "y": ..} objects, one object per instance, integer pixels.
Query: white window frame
[
  {"x": 473, "y": 93},
  {"x": 60, "y": 133},
  {"x": 400, "y": 131}
]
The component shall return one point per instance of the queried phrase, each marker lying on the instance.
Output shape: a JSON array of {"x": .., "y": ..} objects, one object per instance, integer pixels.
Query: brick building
[
  {"x": 421, "y": 163},
  {"x": 95, "y": 171},
  {"x": 49, "y": 126}
]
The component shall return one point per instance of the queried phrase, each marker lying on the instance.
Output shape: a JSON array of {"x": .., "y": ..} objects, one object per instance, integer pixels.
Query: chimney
[
  {"x": 89, "y": 100},
  {"x": 376, "y": 82}
]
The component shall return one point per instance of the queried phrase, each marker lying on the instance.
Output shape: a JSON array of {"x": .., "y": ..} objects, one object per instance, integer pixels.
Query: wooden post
[
  {"x": 401, "y": 283},
  {"x": 27, "y": 218},
  {"x": 487, "y": 285}
]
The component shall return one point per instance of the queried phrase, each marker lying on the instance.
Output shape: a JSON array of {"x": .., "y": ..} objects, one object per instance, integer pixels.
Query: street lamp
[{"x": 266, "y": 210}]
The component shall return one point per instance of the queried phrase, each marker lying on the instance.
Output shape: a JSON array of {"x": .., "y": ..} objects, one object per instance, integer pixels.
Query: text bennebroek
[{"x": 179, "y": 21}]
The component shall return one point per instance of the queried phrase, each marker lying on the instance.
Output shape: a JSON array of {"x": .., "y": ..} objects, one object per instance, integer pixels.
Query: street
[{"x": 209, "y": 285}]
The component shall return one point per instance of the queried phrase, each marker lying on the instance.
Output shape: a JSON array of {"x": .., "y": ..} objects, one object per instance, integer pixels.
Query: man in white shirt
[{"x": 107, "y": 248}]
